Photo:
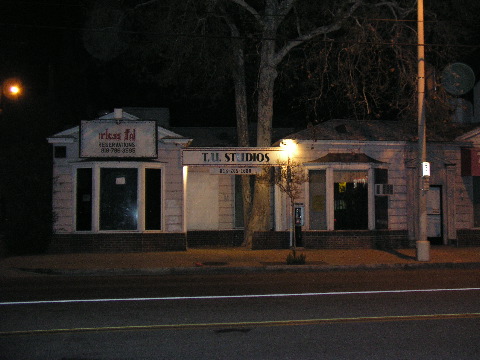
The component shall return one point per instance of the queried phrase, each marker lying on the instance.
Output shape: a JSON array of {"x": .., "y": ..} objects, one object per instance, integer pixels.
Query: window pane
[
  {"x": 118, "y": 199},
  {"x": 350, "y": 200},
  {"x": 476, "y": 201},
  {"x": 317, "y": 200},
  {"x": 238, "y": 202},
  {"x": 60, "y": 152},
  {"x": 153, "y": 199},
  {"x": 84, "y": 200}
]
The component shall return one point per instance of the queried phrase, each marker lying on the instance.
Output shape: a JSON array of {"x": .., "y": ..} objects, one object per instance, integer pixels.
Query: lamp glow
[
  {"x": 289, "y": 146},
  {"x": 12, "y": 88}
]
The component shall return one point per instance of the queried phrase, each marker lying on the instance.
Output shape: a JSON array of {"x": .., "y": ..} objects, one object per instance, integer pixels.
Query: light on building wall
[{"x": 289, "y": 146}]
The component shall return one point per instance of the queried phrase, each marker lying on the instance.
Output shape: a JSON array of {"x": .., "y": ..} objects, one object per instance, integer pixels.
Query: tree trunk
[
  {"x": 260, "y": 211},
  {"x": 241, "y": 108}
]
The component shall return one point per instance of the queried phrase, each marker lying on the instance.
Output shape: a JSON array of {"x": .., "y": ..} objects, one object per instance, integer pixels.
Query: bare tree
[
  {"x": 290, "y": 177},
  {"x": 348, "y": 50}
]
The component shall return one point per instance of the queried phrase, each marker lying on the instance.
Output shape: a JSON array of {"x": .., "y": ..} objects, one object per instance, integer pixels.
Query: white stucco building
[{"x": 129, "y": 182}]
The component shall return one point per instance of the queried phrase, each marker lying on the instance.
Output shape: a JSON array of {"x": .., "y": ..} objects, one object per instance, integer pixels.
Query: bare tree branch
[
  {"x": 243, "y": 4},
  {"x": 322, "y": 30}
]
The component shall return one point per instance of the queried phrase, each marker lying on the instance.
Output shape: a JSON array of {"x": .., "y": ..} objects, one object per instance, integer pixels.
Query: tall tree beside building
[{"x": 352, "y": 56}]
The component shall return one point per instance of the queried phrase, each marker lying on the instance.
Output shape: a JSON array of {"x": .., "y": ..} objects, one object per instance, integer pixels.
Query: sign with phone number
[
  {"x": 235, "y": 171},
  {"x": 128, "y": 139}
]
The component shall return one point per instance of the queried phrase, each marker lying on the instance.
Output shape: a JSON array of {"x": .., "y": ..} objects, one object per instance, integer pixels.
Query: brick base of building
[
  {"x": 264, "y": 240},
  {"x": 111, "y": 243},
  {"x": 380, "y": 239},
  {"x": 468, "y": 237},
  {"x": 115, "y": 242},
  {"x": 214, "y": 238}
]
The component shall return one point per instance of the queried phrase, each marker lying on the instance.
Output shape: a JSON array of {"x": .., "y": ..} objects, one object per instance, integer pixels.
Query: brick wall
[
  {"x": 271, "y": 240},
  {"x": 116, "y": 243},
  {"x": 468, "y": 237},
  {"x": 111, "y": 243},
  {"x": 334, "y": 240},
  {"x": 379, "y": 239},
  {"x": 213, "y": 238}
]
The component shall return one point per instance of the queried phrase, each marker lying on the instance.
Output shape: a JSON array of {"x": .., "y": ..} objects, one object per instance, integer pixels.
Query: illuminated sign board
[
  {"x": 233, "y": 157},
  {"x": 125, "y": 139}
]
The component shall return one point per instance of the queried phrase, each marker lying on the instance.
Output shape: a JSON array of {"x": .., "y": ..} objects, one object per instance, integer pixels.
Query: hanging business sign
[
  {"x": 233, "y": 157},
  {"x": 125, "y": 139}
]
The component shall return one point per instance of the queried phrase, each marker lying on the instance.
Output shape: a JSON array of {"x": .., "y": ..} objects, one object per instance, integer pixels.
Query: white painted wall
[
  {"x": 202, "y": 200},
  {"x": 64, "y": 172}
]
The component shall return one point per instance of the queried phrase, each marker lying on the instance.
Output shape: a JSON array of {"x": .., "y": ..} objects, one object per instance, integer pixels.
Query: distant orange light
[{"x": 12, "y": 88}]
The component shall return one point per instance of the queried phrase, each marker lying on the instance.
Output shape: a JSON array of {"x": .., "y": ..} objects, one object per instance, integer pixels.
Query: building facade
[
  {"x": 118, "y": 185},
  {"x": 129, "y": 182}
]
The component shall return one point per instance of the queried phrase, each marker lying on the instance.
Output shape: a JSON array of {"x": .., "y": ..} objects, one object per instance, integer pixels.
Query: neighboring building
[
  {"x": 363, "y": 185},
  {"x": 129, "y": 182},
  {"x": 118, "y": 198}
]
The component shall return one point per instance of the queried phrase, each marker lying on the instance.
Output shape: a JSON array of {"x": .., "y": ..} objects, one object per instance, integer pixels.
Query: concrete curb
[{"x": 218, "y": 270}]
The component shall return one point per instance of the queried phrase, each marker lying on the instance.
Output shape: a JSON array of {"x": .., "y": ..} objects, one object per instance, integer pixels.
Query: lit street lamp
[{"x": 11, "y": 89}]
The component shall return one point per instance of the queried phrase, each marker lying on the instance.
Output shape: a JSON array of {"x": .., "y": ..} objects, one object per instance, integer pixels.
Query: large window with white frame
[
  {"x": 350, "y": 194},
  {"x": 123, "y": 197},
  {"x": 341, "y": 199},
  {"x": 118, "y": 199},
  {"x": 318, "y": 200}
]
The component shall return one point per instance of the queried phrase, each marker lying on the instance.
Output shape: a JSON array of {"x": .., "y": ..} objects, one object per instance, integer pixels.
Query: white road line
[{"x": 230, "y": 296}]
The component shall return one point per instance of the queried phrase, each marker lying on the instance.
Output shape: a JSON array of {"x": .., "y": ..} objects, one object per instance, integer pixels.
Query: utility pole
[{"x": 422, "y": 244}]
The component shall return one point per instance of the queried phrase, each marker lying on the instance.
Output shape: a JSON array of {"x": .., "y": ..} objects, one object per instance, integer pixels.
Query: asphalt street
[{"x": 254, "y": 323}]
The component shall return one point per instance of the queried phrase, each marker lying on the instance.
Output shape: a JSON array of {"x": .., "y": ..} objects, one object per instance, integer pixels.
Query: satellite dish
[{"x": 458, "y": 78}]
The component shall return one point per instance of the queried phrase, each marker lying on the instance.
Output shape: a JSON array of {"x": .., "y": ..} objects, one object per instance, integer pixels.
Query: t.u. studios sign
[
  {"x": 125, "y": 139},
  {"x": 233, "y": 156}
]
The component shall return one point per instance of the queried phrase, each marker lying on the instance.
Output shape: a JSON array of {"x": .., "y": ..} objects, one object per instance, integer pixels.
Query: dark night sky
[{"x": 42, "y": 44}]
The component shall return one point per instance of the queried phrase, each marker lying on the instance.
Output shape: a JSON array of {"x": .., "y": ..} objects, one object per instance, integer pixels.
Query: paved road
[
  {"x": 329, "y": 316},
  {"x": 64, "y": 287}
]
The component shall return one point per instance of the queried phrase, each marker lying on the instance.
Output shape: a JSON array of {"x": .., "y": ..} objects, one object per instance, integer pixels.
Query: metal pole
[{"x": 422, "y": 244}]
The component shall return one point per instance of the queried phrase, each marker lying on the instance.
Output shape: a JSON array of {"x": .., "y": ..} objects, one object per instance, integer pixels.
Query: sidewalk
[{"x": 233, "y": 260}]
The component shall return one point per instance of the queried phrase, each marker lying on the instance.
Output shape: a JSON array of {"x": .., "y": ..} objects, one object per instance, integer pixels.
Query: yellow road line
[{"x": 233, "y": 325}]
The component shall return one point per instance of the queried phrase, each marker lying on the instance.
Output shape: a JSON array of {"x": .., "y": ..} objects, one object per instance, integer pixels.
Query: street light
[{"x": 12, "y": 89}]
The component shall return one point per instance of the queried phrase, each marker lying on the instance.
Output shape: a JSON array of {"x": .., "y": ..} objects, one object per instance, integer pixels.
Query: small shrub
[{"x": 293, "y": 259}]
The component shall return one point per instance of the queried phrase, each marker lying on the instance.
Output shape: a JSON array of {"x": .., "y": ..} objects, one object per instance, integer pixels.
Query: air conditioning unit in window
[{"x": 383, "y": 189}]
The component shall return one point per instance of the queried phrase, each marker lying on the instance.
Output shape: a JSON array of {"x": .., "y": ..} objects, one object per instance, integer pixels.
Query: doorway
[{"x": 434, "y": 215}]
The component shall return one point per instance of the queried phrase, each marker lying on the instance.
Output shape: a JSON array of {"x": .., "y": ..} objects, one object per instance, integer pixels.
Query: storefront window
[
  {"x": 318, "y": 208},
  {"x": 350, "y": 200},
  {"x": 153, "y": 197},
  {"x": 239, "y": 221},
  {"x": 118, "y": 199},
  {"x": 117, "y": 204},
  {"x": 84, "y": 200},
  {"x": 476, "y": 201},
  {"x": 338, "y": 200}
]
